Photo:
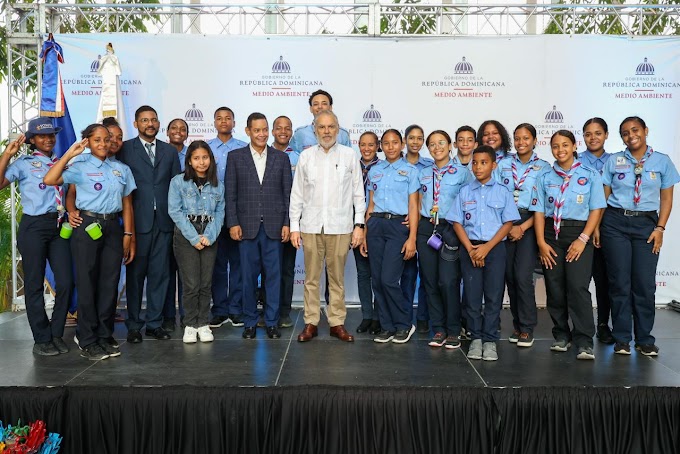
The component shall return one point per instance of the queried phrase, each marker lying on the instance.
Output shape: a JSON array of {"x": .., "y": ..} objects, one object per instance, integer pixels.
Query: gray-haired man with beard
[{"x": 327, "y": 209}]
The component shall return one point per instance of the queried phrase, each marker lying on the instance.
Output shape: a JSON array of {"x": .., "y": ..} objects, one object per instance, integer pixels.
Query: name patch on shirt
[
  {"x": 471, "y": 202},
  {"x": 99, "y": 174},
  {"x": 36, "y": 164},
  {"x": 403, "y": 173},
  {"x": 620, "y": 160},
  {"x": 621, "y": 168},
  {"x": 582, "y": 181}
]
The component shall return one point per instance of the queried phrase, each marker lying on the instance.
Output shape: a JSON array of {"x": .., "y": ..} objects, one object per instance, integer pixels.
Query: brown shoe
[
  {"x": 341, "y": 333},
  {"x": 308, "y": 333}
]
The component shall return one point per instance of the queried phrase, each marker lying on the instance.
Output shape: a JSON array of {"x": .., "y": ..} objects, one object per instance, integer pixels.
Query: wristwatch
[{"x": 361, "y": 226}]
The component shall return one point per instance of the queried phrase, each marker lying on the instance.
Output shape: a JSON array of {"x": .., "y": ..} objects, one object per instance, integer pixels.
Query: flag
[
  {"x": 111, "y": 100},
  {"x": 52, "y": 100}
]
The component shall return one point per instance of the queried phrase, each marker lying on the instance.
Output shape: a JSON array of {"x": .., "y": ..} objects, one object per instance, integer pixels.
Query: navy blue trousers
[
  {"x": 487, "y": 284},
  {"x": 261, "y": 253},
  {"x": 227, "y": 287},
  {"x": 631, "y": 266},
  {"x": 601, "y": 280},
  {"x": 385, "y": 239},
  {"x": 519, "y": 278},
  {"x": 368, "y": 311},
  {"x": 409, "y": 279},
  {"x": 38, "y": 241}
]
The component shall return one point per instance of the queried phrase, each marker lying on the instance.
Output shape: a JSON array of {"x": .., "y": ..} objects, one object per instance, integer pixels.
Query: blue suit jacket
[
  {"x": 248, "y": 201},
  {"x": 153, "y": 181}
]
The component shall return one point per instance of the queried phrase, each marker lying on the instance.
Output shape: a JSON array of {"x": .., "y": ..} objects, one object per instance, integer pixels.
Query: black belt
[
  {"x": 50, "y": 215},
  {"x": 388, "y": 216},
  {"x": 477, "y": 242},
  {"x": 523, "y": 211},
  {"x": 103, "y": 217},
  {"x": 568, "y": 222},
  {"x": 632, "y": 212}
]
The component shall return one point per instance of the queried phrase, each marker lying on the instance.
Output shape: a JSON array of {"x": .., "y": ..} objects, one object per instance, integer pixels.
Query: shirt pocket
[
  {"x": 400, "y": 185},
  {"x": 469, "y": 212},
  {"x": 651, "y": 177},
  {"x": 496, "y": 203}
]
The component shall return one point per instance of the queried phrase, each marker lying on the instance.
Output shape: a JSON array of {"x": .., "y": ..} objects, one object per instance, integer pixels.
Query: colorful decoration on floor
[{"x": 29, "y": 439}]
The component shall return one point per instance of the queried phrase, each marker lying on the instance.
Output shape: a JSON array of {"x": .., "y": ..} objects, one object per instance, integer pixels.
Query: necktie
[
  {"x": 638, "y": 176},
  {"x": 149, "y": 151},
  {"x": 559, "y": 201}
]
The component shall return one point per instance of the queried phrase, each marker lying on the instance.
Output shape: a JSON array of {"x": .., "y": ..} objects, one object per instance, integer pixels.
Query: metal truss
[{"x": 27, "y": 23}]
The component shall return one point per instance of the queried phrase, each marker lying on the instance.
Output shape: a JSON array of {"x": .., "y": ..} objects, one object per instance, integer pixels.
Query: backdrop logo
[
  {"x": 463, "y": 67},
  {"x": 553, "y": 121},
  {"x": 463, "y": 83},
  {"x": 372, "y": 116},
  {"x": 644, "y": 83},
  {"x": 645, "y": 69},
  {"x": 281, "y": 80},
  {"x": 193, "y": 114},
  {"x": 371, "y": 120},
  {"x": 89, "y": 82},
  {"x": 281, "y": 67}
]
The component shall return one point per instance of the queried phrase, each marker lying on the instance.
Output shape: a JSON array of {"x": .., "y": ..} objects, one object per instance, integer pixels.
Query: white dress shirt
[
  {"x": 326, "y": 187},
  {"x": 260, "y": 161}
]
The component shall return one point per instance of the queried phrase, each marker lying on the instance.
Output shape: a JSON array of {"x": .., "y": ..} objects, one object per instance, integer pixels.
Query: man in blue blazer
[
  {"x": 258, "y": 182},
  {"x": 153, "y": 164}
]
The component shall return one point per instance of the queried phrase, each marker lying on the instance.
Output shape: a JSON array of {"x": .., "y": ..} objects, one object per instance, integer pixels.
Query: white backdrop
[{"x": 551, "y": 81}]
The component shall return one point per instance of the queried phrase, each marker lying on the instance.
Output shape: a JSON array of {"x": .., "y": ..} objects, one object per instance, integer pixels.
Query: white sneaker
[
  {"x": 189, "y": 335},
  {"x": 205, "y": 335}
]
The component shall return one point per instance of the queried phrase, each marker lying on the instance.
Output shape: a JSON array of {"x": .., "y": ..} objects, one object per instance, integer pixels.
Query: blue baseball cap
[{"x": 41, "y": 125}]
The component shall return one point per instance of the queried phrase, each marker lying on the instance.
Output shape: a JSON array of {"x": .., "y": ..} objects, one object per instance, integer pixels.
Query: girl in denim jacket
[{"x": 196, "y": 205}]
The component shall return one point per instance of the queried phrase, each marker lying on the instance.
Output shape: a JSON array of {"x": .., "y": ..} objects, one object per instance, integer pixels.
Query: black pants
[
  {"x": 151, "y": 263},
  {"x": 441, "y": 279},
  {"x": 97, "y": 273},
  {"x": 601, "y": 287},
  {"x": 196, "y": 271},
  {"x": 38, "y": 241},
  {"x": 566, "y": 286},
  {"x": 519, "y": 278},
  {"x": 369, "y": 311},
  {"x": 287, "y": 278}
]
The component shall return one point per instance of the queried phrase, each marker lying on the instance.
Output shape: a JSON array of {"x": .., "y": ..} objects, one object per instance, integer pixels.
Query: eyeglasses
[
  {"x": 147, "y": 120},
  {"x": 441, "y": 143}
]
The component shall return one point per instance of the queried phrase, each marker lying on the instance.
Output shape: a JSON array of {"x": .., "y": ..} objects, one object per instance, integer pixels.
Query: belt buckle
[
  {"x": 388, "y": 216},
  {"x": 629, "y": 212}
]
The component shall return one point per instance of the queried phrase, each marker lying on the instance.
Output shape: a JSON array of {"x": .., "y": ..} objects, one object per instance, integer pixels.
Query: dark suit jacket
[
  {"x": 153, "y": 181},
  {"x": 248, "y": 201}
]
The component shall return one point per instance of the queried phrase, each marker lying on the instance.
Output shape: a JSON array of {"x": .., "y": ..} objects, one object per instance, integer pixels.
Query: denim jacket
[{"x": 184, "y": 199}]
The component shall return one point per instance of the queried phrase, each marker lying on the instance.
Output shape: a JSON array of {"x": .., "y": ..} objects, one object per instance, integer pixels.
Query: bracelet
[
  {"x": 127, "y": 233},
  {"x": 583, "y": 237},
  {"x": 660, "y": 228}
]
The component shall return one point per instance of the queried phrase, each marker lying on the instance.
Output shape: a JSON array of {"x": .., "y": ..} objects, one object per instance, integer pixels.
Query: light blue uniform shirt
[
  {"x": 220, "y": 150},
  {"x": 503, "y": 175},
  {"x": 183, "y": 157},
  {"x": 293, "y": 156},
  {"x": 590, "y": 160},
  {"x": 36, "y": 197},
  {"x": 100, "y": 185},
  {"x": 304, "y": 137},
  {"x": 585, "y": 193},
  {"x": 391, "y": 185},
  {"x": 185, "y": 199},
  {"x": 482, "y": 209},
  {"x": 619, "y": 174},
  {"x": 451, "y": 182},
  {"x": 422, "y": 163}
]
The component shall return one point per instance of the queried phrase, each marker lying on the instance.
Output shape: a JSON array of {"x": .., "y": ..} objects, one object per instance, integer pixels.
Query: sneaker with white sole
[
  {"x": 438, "y": 340},
  {"x": 560, "y": 345},
  {"x": 525, "y": 340},
  {"x": 514, "y": 337},
  {"x": 384, "y": 336},
  {"x": 489, "y": 352},
  {"x": 205, "y": 335},
  {"x": 647, "y": 349},
  {"x": 190, "y": 335},
  {"x": 585, "y": 353},
  {"x": 403, "y": 335},
  {"x": 475, "y": 350}
]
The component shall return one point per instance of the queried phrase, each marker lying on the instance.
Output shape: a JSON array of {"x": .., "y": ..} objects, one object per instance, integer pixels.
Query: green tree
[
  {"x": 653, "y": 22},
  {"x": 414, "y": 21}
]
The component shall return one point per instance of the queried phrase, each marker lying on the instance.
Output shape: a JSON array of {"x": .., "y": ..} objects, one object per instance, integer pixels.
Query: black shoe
[
  {"x": 375, "y": 328},
  {"x": 60, "y": 345},
  {"x": 111, "y": 342},
  {"x": 157, "y": 334},
  {"x": 112, "y": 352},
  {"x": 604, "y": 334},
  {"x": 134, "y": 336},
  {"x": 273, "y": 332},
  {"x": 423, "y": 326},
  {"x": 235, "y": 320},
  {"x": 45, "y": 349},
  {"x": 365, "y": 325},
  {"x": 249, "y": 333},
  {"x": 94, "y": 352},
  {"x": 168, "y": 325},
  {"x": 218, "y": 321}
]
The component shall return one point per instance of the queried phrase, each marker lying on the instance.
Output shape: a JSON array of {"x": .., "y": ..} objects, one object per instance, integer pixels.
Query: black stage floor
[{"x": 233, "y": 361}]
